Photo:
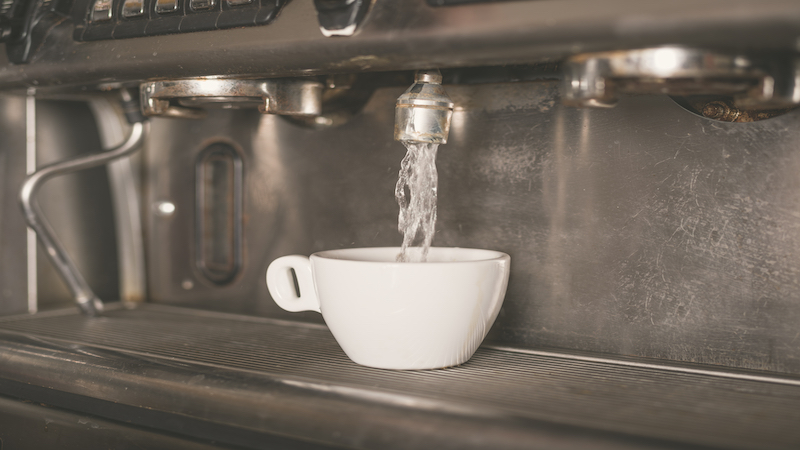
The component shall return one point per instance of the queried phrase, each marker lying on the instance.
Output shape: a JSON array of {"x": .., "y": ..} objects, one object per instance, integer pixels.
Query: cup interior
[{"x": 389, "y": 255}]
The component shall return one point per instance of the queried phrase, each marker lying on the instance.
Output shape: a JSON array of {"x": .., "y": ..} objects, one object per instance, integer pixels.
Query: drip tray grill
[{"x": 250, "y": 377}]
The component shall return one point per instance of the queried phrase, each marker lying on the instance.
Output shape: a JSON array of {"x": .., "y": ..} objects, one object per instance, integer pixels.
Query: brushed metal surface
[
  {"x": 81, "y": 292},
  {"x": 24, "y": 424},
  {"x": 289, "y": 97},
  {"x": 126, "y": 188},
  {"x": 412, "y": 35},
  {"x": 595, "y": 79},
  {"x": 267, "y": 376},
  {"x": 13, "y": 271},
  {"x": 640, "y": 230},
  {"x": 78, "y": 205}
]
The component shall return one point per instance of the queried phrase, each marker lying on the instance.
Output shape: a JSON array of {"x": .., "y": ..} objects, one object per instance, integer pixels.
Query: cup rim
[{"x": 491, "y": 255}]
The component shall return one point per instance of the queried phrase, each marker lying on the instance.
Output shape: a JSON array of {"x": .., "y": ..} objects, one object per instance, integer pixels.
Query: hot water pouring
[
  {"x": 410, "y": 308},
  {"x": 422, "y": 122},
  {"x": 638, "y": 160}
]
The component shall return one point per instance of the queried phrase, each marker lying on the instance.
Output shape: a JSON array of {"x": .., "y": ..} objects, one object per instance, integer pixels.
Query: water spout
[
  {"x": 422, "y": 122},
  {"x": 424, "y": 111}
]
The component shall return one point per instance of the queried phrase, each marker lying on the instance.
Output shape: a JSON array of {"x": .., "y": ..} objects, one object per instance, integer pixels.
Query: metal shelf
[{"x": 238, "y": 380}]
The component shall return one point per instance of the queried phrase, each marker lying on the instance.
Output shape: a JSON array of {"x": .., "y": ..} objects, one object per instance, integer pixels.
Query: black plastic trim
[{"x": 185, "y": 19}]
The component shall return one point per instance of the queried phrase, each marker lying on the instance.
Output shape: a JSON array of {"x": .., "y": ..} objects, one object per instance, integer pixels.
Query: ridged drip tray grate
[{"x": 674, "y": 406}]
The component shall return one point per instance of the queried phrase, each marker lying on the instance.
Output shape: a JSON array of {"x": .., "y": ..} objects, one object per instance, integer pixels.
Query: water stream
[{"x": 416, "y": 194}]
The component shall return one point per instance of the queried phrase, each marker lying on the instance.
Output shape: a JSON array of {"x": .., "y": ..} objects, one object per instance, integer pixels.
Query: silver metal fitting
[
  {"x": 424, "y": 111},
  {"x": 188, "y": 98},
  {"x": 598, "y": 79},
  {"x": 86, "y": 299}
]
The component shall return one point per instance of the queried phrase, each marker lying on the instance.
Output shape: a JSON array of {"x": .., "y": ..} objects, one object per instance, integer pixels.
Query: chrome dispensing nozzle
[{"x": 424, "y": 110}]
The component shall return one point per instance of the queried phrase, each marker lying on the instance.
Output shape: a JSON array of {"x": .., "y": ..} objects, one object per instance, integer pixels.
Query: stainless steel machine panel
[
  {"x": 637, "y": 160},
  {"x": 13, "y": 270},
  {"x": 411, "y": 35},
  {"x": 641, "y": 230},
  {"x": 79, "y": 204}
]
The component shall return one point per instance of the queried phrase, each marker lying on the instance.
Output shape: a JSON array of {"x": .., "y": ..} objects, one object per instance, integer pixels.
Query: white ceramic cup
[{"x": 397, "y": 315}]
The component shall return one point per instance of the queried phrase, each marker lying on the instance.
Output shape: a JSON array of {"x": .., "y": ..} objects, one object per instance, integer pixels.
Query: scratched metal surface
[{"x": 639, "y": 230}]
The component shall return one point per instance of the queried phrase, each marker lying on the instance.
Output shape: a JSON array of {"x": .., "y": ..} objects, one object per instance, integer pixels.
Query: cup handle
[{"x": 281, "y": 285}]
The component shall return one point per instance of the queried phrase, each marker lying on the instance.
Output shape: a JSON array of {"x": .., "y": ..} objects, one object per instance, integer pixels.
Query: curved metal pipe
[{"x": 86, "y": 299}]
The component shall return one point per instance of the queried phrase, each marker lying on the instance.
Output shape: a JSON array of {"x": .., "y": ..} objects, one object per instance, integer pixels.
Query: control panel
[{"x": 120, "y": 19}]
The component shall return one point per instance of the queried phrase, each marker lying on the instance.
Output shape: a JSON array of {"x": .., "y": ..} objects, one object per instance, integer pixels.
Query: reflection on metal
[
  {"x": 89, "y": 303},
  {"x": 344, "y": 97},
  {"x": 187, "y": 98},
  {"x": 340, "y": 17},
  {"x": 640, "y": 230},
  {"x": 240, "y": 373},
  {"x": 778, "y": 88},
  {"x": 597, "y": 79},
  {"x": 127, "y": 203},
  {"x": 30, "y": 167},
  {"x": 13, "y": 270},
  {"x": 412, "y": 35},
  {"x": 218, "y": 226},
  {"x": 424, "y": 111},
  {"x": 165, "y": 208}
]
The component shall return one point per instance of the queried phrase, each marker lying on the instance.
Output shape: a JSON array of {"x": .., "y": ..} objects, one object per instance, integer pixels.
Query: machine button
[
  {"x": 238, "y": 13},
  {"x": 166, "y": 6},
  {"x": 202, "y": 5},
  {"x": 340, "y": 17},
  {"x": 266, "y": 13},
  {"x": 101, "y": 11},
  {"x": 133, "y": 8}
]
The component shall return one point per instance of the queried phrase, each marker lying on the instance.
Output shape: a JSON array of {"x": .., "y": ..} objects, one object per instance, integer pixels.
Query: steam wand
[{"x": 86, "y": 299}]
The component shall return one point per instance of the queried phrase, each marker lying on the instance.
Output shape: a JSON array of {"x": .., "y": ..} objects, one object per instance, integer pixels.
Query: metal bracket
[
  {"x": 597, "y": 79},
  {"x": 187, "y": 98}
]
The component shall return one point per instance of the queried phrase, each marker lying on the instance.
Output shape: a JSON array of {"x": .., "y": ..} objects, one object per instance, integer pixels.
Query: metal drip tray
[{"x": 257, "y": 382}]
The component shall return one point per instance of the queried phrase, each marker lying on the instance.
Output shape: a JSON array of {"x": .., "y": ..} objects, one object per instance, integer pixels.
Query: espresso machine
[{"x": 637, "y": 160}]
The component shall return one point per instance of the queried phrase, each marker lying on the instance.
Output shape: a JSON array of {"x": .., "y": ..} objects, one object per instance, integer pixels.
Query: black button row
[{"x": 119, "y": 19}]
